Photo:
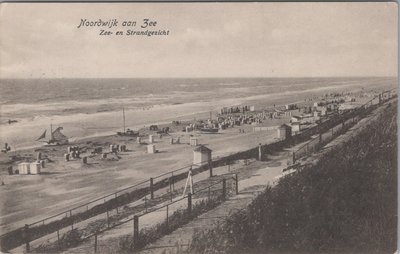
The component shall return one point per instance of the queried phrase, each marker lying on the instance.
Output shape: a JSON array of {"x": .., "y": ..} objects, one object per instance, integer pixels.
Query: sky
[{"x": 40, "y": 40}]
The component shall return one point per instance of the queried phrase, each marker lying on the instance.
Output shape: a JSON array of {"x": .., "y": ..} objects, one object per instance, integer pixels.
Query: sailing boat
[
  {"x": 56, "y": 137},
  {"x": 127, "y": 132}
]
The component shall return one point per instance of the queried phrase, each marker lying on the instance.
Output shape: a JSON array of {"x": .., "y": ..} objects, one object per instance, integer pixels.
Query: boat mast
[
  {"x": 51, "y": 131},
  {"x": 123, "y": 114}
]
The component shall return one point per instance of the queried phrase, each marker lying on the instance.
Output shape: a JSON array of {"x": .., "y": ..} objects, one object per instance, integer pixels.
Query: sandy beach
[{"x": 63, "y": 185}]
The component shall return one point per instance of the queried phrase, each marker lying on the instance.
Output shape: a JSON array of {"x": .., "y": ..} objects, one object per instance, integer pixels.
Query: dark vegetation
[
  {"x": 176, "y": 220},
  {"x": 68, "y": 240},
  {"x": 347, "y": 203}
]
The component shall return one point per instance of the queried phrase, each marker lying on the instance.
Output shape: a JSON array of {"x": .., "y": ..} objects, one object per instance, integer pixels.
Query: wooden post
[
  {"x": 95, "y": 243},
  {"x": 167, "y": 219},
  {"x": 210, "y": 168},
  {"x": 108, "y": 220},
  {"x": 151, "y": 188},
  {"x": 145, "y": 203},
  {"x": 224, "y": 188},
  {"x": 116, "y": 195},
  {"x": 189, "y": 208},
  {"x": 237, "y": 183},
  {"x": 26, "y": 230},
  {"x": 173, "y": 182},
  {"x": 135, "y": 231},
  {"x": 170, "y": 188},
  {"x": 259, "y": 152},
  {"x": 294, "y": 157},
  {"x": 209, "y": 193}
]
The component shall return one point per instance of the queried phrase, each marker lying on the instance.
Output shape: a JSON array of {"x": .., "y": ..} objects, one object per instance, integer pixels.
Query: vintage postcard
[{"x": 258, "y": 127}]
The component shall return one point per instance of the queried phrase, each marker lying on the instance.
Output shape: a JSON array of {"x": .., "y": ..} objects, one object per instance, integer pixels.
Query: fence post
[
  {"x": 210, "y": 168},
  {"x": 145, "y": 203},
  {"x": 223, "y": 188},
  {"x": 26, "y": 229},
  {"x": 95, "y": 243},
  {"x": 259, "y": 152},
  {"x": 189, "y": 202},
  {"x": 116, "y": 202},
  {"x": 135, "y": 231},
  {"x": 167, "y": 220},
  {"x": 151, "y": 188},
  {"x": 294, "y": 157},
  {"x": 237, "y": 183},
  {"x": 170, "y": 187},
  {"x": 108, "y": 220},
  {"x": 173, "y": 183},
  {"x": 58, "y": 238}
]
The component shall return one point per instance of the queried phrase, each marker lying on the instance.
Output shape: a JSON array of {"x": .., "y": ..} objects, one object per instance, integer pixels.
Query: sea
[{"x": 93, "y": 107}]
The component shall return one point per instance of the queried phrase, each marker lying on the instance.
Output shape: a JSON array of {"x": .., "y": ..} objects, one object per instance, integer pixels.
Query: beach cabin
[
  {"x": 295, "y": 128},
  {"x": 322, "y": 109},
  {"x": 317, "y": 113},
  {"x": 284, "y": 131},
  {"x": 151, "y": 139},
  {"x": 35, "y": 168},
  {"x": 151, "y": 149},
  {"x": 194, "y": 141},
  {"x": 332, "y": 107},
  {"x": 24, "y": 168},
  {"x": 201, "y": 155},
  {"x": 291, "y": 106}
]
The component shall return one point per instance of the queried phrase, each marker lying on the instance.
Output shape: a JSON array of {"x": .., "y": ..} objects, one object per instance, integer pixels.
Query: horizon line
[{"x": 180, "y": 77}]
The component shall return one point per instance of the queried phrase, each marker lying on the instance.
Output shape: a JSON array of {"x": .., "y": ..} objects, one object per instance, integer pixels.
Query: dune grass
[{"x": 347, "y": 203}]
